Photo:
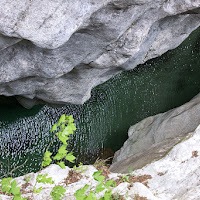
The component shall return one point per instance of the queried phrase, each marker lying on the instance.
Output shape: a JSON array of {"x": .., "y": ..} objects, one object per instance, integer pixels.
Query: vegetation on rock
[{"x": 63, "y": 129}]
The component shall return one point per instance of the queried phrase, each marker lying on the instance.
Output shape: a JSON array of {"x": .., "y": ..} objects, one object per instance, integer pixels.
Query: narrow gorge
[
  {"x": 104, "y": 120},
  {"x": 128, "y": 72}
]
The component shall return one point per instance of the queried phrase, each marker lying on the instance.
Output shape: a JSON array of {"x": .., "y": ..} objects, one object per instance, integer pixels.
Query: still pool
[{"x": 103, "y": 121}]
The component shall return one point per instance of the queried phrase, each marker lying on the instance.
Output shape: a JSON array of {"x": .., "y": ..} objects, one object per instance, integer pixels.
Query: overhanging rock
[{"x": 68, "y": 48}]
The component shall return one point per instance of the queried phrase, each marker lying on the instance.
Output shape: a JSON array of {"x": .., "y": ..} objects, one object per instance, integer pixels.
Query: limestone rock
[
  {"x": 176, "y": 176},
  {"x": 141, "y": 159},
  {"x": 68, "y": 48},
  {"x": 154, "y": 136}
]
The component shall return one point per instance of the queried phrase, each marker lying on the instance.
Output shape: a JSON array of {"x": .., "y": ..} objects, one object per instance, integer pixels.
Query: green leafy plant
[
  {"x": 98, "y": 177},
  {"x": 6, "y": 185},
  {"x": 42, "y": 178},
  {"x": 57, "y": 192},
  {"x": 125, "y": 178},
  {"x": 47, "y": 159},
  {"x": 37, "y": 190},
  {"x": 9, "y": 186},
  {"x": 101, "y": 186},
  {"x": 80, "y": 194},
  {"x": 81, "y": 168},
  {"x": 63, "y": 129}
]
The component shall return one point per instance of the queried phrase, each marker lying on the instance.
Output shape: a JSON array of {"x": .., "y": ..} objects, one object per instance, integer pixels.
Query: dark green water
[{"x": 102, "y": 122}]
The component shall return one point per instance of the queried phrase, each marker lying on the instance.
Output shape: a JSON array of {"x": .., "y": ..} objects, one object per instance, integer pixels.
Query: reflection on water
[{"x": 102, "y": 122}]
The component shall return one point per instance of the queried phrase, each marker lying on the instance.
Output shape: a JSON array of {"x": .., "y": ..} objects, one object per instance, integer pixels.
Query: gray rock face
[
  {"x": 155, "y": 135},
  {"x": 147, "y": 156},
  {"x": 68, "y": 48}
]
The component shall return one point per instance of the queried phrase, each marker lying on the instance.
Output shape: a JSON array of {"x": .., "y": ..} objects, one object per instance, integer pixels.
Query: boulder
[
  {"x": 154, "y": 136},
  {"x": 57, "y": 51}
]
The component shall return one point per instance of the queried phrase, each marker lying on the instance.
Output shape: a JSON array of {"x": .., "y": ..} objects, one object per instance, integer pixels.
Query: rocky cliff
[{"x": 57, "y": 51}]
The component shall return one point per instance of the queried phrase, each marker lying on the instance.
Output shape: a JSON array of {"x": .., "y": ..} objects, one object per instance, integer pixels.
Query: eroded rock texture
[{"x": 59, "y": 50}]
